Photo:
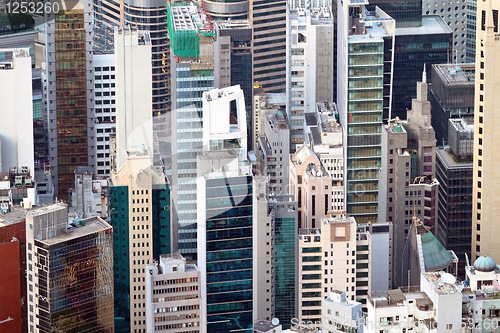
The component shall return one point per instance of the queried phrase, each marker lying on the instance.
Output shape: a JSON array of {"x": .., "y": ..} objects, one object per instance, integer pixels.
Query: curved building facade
[{"x": 227, "y": 9}]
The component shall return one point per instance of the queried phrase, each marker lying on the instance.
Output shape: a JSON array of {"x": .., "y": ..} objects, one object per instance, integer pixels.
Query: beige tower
[{"x": 486, "y": 199}]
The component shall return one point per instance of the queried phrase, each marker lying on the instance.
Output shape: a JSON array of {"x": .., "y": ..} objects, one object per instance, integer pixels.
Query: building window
[
  {"x": 480, "y": 152},
  {"x": 478, "y": 248},
  {"x": 478, "y": 205},
  {"x": 480, "y": 120},
  {"x": 480, "y": 130},
  {"x": 478, "y": 227},
  {"x": 313, "y": 205},
  {"x": 478, "y": 238},
  {"x": 479, "y": 184},
  {"x": 479, "y": 195},
  {"x": 479, "y": 173},
  {"x": 480, "y": 162},
  {"x": 478, "y": 218}
]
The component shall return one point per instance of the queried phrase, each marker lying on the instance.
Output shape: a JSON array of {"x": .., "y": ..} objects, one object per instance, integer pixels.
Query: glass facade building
[
  {"x": 187, "y": 142},
  {"x": 75, "y": 280},
  {"x": 470, "y": 46},
  {"x": 454, "y": 219},
  {"x": 229, "y": 255},
  {"x": 369, "y": 80},
  {"x": 414, "y": 48},
  {"x": 406, "y": 13},
  {"x": 151, "y": 17}
]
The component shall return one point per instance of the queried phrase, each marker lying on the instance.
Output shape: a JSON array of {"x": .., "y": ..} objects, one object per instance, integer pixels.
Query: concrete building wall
[
  {"x": 486, "y": 204},
  {"x": 16, "y": 128},
  {"x": 134, "y": 124}
]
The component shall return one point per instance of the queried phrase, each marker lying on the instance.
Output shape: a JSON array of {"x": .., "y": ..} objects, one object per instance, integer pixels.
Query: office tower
[
  {"x": 312, "y": 186},
  {"x": 225, "y": 252},
  {"x": 361, "y": 110},
  {"x": 340, "y": 312},
  {"x": 310, "y": 52},
  {"x": 70, "y": 96},
  {"x": 268, "y": 20},
  {"x": 424, "y": 253},
  {"x": 275, "y": 251},
  {"x": 451, "y": 94},
  {"x": 192, "y": 74},
  {"x": 485, "y": 207},
  {"x": 139, "y": 213},
  {"x": 273, "y": 150},
  {"x": 406, "y": 13},
  {"x": 454, "y": 221},
  {"x": 454, "y": 13},
  {"x": 173, "y": 295},
  {"x": 134, "y": 124},
  {"x": 470, "y": 46},
  {"x": 105, "y": 109},
  {"x": 56, "y": 271},
  {"x": 89, "y": 196},
  {"x": 13, "y": 278},
  {"x": 335, "y": 256},
  {"x": 16, "y": 129},
  {"x": 324, "y": 135},
  {"x": 416, "y": 47},
  {"x": 238, "y": 34},
  {"x": 150, "y": 16}
]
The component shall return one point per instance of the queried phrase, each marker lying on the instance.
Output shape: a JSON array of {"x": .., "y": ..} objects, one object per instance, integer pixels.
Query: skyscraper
[
  {"x": 145, "y": 15},
  {"x": 140, "y": 216},
  {"x": 70, "y": 97},
  {"x": 268, "y": 19},
  {"x": 364, "y": 91},
  {"x": 134, "y": 125},
  {"x": 16, "y": 130},
  {"x": 192, "y": 39},
  {"x": 227, "y": 9},
  {"x": 311, "y": 58},
  {"x": 486, "y": 205},
  {"x": 70, "y": 272}
]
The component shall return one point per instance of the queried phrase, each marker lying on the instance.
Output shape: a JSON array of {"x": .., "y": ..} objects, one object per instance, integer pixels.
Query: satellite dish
[
  {"x": 448, "y": 278},
  {"x": 275, "y": 321}
]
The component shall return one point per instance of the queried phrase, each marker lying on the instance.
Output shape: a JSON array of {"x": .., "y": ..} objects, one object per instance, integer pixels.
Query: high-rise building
[
  {"x": 273, "y": 151},
  {"x": 416, "y": 47},
  {"x": 335, "y": 256},
  {"x": 451, "y": 94},
  {"x": 238, "y": 36},
  {"x": 470, "y": 47},
  {"x": 16, "y": 129},
  {"x": 24, "y": 38},
  {"x": 454, "y": 220},
  {"x": 486, "y": 207},
  {"x": 364, "y": 88},
  {"x": 173, "y": 295},
  {"x": 455, "y": 15},
  {"x": 192, "y": 67},
  {"x": 312, "y": 186},
  {"x": 324, "y": 135},
  {"x": 139, "y": 213},
  {"x": 105, "y": 109},
  {"x": 150, "y": 16},
  {"x": 13, "y": 279},
  {"x": 70, "y": 96},
  {"x": 309, "y": 69},
  {"x": 134, "y": 124},
  {"x": 406, "y": 13},
  {"x": 227, "y": 10},
  {"x": 225, "y": 240},
  {"x": 268, "y": 20},
  {"x": 63, "y": 258},
  {"x": 274, "y": 254}
]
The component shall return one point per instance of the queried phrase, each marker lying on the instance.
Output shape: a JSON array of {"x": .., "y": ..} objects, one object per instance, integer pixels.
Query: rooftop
[
  {"x": 276, "y": 98},
  {"x": 91, "y": 225},
  {"x": 431, "y": 24},
  {"x": 447, "y": 157},
  {"x": 319, "y": 16},
  {"x": 396, "y": 126},
  {"x": 46, "y": 209},
  {"x": 264, "y": 326},
  {"x": 16, "y": 216},
  {"x": 277, "y": 120},
  {"x": 453, "y": 74},
  {"x": 436, "y": 281}
]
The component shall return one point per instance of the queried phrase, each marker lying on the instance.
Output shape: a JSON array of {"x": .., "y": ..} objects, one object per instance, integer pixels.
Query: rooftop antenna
[{"x": 424, "y": 76}]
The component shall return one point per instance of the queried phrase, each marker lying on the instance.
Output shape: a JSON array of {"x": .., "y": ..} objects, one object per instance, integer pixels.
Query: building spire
[
  {"x": 424, "y": 76},
  {"x": 490, "y": 26}
]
